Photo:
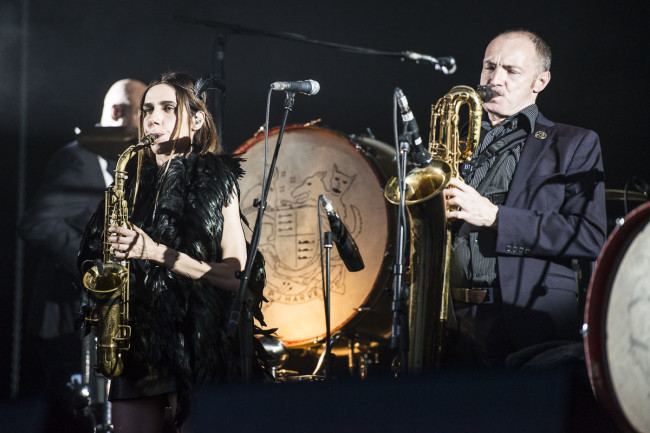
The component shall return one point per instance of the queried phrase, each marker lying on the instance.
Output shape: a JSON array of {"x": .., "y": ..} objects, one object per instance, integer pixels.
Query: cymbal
[
  {"x": 109, "y": 142},
  {"x": 619, "y": 195}
]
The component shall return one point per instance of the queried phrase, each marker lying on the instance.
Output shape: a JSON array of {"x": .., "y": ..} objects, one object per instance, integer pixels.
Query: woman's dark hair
[{"x": 191, "y": 99}]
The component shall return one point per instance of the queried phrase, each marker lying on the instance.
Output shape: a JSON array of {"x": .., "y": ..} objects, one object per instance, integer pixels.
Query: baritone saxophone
[
  {"x": 430, "y": 232},
  {"x": 108, "y": 282}
]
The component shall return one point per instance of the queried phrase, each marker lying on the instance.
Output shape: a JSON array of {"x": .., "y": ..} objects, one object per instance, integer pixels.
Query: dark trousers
[{"x": 478, "y": 338}]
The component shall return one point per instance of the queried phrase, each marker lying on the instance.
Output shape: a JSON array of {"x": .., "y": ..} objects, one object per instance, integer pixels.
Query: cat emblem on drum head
[{"x": 314, "y": 161}]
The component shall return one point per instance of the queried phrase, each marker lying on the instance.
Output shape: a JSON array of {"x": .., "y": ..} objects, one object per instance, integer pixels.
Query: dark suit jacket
[
  {"x": 52, "y": 226},
  {"x": 554, "y": 211}
]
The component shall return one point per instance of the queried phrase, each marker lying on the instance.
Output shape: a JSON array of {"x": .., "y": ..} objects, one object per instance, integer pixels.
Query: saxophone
[
  {"x": 108, "y": 281},
  {"x": 430, "y": 232}
]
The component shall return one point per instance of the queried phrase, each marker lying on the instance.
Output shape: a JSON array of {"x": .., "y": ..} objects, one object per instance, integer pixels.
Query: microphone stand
[
  {"x": 446, "y": 65},
  {"x": 327, "y": 244},
  {"x": 219, "y": 73},
  {"x": 241, "y": 305},
  {"x": 399, "y": 330}
]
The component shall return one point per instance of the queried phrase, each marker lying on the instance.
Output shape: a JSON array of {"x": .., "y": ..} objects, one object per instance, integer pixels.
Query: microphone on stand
[
  {"x": 419, "y": 155},
  {"x": 345, "y": 245},
  {"x": 447, "y": 65},
  {"x": 307, "y": 87}
]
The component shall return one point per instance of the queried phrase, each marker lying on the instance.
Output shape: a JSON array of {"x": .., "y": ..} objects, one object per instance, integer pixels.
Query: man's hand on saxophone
[{"x": 468, "y": 205}]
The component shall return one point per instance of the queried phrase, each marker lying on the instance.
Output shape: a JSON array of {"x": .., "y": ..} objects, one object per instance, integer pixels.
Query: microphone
[
  {"x": 419, "y": 155},
  {"x": 308, "y": 87},
  {"x": 485, "y": 93},
  {"x": 345, "y": 245},
  {"x": 447, "y": 65}
]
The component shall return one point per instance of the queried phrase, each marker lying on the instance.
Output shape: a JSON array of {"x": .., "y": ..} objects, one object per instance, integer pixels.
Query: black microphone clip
[
  {"x": 419, "y": 155},
  {"x": 345, "y": 245}
]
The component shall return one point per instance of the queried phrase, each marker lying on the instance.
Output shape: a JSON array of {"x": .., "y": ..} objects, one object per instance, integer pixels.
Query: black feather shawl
[{"x": 178, "y": 324}]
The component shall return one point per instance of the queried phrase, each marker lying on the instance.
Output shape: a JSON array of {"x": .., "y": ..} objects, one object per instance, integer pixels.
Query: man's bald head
[{"x": 121, "y": 103}]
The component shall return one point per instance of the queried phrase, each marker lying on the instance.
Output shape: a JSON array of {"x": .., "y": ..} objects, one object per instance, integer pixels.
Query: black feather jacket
[{"x": 178, "y": 324}]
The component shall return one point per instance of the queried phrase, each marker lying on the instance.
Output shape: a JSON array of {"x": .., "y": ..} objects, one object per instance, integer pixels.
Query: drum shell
[
  {"x": 617, "y": 314},
  {"x": 351, "y": 172}
]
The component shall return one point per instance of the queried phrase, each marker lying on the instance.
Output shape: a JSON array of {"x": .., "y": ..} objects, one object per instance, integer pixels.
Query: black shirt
[{"x": 473, "y": 258}]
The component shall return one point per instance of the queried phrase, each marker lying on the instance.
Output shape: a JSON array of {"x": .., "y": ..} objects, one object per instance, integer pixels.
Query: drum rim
[
  {"x": 595, "y": 315},
  {"x": 383, "y": 277},
  {"x": 259, "y": 136}
]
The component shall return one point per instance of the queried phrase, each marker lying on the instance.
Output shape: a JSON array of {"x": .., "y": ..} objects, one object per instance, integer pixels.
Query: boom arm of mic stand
[
  {"x": 219, "y": 73},
  {"x": 446, "y": 65}
]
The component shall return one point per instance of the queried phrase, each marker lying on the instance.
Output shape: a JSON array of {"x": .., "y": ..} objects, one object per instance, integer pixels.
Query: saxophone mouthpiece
[
  {"x": 485, "y": 93},
  {"x": 148, "y": 140}
]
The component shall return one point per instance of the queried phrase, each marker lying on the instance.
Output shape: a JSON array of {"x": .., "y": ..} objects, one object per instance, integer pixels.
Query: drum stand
[{"x": 241, "y": 305}]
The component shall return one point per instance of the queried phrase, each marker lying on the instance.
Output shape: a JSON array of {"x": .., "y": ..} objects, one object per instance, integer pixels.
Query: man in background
[{"x": 52, "y": 226}]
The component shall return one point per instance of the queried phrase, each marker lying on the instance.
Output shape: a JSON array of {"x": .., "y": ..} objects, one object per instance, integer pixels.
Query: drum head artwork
[
  {"x": 618, "y": 319},
  {"x": 313, "y": 161}
]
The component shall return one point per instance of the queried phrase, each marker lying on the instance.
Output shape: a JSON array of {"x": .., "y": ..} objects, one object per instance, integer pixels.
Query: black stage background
[{"x": 64, "y": 55}]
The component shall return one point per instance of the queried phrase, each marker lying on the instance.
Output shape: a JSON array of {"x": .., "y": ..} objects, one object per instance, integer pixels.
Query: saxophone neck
[{"x": 120, "y": 167}]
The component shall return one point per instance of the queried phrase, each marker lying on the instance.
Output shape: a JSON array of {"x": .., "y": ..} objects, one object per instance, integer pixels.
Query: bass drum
[
  {"x": 351, "y": 172},
  {"x": 617, "y": 322}
]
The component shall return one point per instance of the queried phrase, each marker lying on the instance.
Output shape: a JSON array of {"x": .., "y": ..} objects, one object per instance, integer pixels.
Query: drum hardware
[
  {"x": 639, "y": 185},
  {"x": 327, "y": 352},
  {"x": 365, "y": 361},
  {"x": 261, "y": 129},
  {"x": 282, "y": 374},
  {"x": 620, "y": 195},
  {"x": 312, "y": 122},
  {"x": 621, "y": 201},
  {"x": 276, "y": 350},
  {"x": 360, "y": 356},
  {"x": 305, "y": 378}
]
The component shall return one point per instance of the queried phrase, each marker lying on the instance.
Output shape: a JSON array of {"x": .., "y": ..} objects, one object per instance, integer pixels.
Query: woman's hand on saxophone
[
  {"x": 134, "y": 244},
  {"x": 465, "y": 203}
]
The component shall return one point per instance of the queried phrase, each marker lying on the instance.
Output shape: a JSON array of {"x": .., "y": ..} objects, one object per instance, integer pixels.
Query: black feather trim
[{"x": 178, "y": 324}]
